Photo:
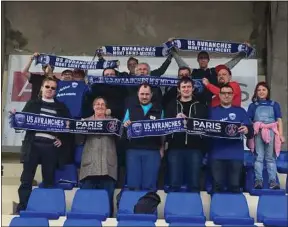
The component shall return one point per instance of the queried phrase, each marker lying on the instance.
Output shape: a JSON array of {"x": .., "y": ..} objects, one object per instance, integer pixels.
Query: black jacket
[
  {"x": 182, "y": 140},
  {"x": 66, "y": 150}
]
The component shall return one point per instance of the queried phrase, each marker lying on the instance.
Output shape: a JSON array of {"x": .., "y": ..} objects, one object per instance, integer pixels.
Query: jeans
[
  {"x": 265, "y": 151},
  {"x": 226, "y": 173},
  {"x": 43, "y": 151},
  {"x": 184, "y": 167},
  {"x": 101, "y": 182},
  {"x": 142, "y": 168}
]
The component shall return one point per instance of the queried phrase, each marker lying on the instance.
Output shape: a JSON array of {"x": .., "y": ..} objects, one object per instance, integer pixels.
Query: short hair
[
  {"x": 185, "y": 80},
  {"x": 100, "y": 97},
  {"x": 203, "y": 54},
  {"x": 144, "y": 63},
  {"x": 116, "y": 73},
  {"x": 226, "y": 86},
  {"x": 145, "y": 85},
  {"x": 132, "y": 59},
  {"x": 184, "y": 68},
  {"x": 67, "y": 71},
  {"x": 48, "y": 79}
]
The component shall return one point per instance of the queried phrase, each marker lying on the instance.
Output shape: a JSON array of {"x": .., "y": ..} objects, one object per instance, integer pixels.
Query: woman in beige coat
[{"x": 99, "y": 159}]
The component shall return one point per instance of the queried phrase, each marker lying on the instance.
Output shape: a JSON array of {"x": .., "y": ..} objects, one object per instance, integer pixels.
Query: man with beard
[{"x": 223, "y": 78}]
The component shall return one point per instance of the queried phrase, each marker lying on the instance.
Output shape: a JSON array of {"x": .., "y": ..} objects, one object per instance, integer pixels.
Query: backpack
[{"x": 147, "y": 204}]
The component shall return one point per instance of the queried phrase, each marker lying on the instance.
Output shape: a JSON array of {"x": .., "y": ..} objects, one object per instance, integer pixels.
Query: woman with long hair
[{"x": 268, "y": 129}]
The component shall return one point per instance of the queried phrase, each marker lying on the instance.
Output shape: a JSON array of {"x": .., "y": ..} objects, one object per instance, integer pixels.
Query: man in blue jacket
[{"x": 226, "y": 155}]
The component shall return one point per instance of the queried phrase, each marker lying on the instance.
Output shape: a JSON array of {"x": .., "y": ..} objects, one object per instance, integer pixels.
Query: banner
[
  {"x": 192, "y": 126},
  {"x": 19, "y": 90},
  {"x": 61, "y": 62},
  {"x": 36, "y": 122}
]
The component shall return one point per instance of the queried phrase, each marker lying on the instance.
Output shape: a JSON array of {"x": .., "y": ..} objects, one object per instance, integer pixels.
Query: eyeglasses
[
  {"x": 52, "y": 88},
  {"x": 226, "y": 93}
]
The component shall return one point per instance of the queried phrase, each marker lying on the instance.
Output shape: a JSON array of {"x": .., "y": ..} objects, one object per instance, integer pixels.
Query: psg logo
[
  {"x": 112, "y": 126},
  {"x": 231, "y": 130}
]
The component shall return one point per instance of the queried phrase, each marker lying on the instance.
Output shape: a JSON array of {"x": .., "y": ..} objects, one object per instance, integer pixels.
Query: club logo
[
  {"x": 231, "y": 130},
  {"x": 44, "y": 59},
  {"x": 137, "y": 128},
  {"x": 112, "y": 126},
  {"x": 20, "y": 119},
  {"x": 232, "y": 116},
  {"x": 67, "y": 124}
]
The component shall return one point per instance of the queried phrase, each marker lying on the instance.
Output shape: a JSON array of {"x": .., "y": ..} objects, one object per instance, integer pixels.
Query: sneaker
[
  {"x": 258, "y": 184},
  {"x": 274, "y": 185}
]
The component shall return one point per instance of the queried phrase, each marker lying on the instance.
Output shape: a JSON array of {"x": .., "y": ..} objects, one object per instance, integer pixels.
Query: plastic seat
[
  {"x": 230, "y": 209},
  {"x": 47, "y": 203},
  {"x": 188, "y": 224},
  {"x": 282, "y": 162},
  {"x": 184, "y": 207},
  {"x": 287, "y": 184},
  {"x": 126, "y": 207},
  {"x": 19, "y": 221},
  {"x": 78, "y": 155},
  {"x": 272, "y": 210},
  {"x": 65, "y": 178},
  {"x": 135, "y": 223},
  {"x": 90, "y": 204},
  {"x": 82, "y": 222},
  {"x": 249, "y": 184}
]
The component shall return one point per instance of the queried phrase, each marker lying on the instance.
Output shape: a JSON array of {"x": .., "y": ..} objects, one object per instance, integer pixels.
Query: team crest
[
  {"x": 74, "y": 84},
  {"x": 137, "y": 128},
  {"x": 112, "y": 126},
  {"x": 232, "y": 116},
  {"x": 20, "y": 119},
  {"x": 231, "y": 130}
]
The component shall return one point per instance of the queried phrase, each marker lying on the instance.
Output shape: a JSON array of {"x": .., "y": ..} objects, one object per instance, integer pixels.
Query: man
[
  {"x": 185, "y": 151},
  {"x": 79, "y": 75},
  {"x": 223, "y": 77},
  {"x": 36, "y": 79},
  {"x": 171, "y": 92},
  {"x": 67, "y": 75},
  {"x": 204, "y": 71},
  {"x": 143, "y": 156},
  {"x": 227, "y": 155}
]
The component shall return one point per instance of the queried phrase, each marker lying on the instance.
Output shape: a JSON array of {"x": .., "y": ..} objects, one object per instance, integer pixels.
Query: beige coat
[{"x": 99, "y": 156}]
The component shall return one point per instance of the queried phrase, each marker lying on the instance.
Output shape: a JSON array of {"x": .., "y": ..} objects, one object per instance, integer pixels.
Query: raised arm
[
  {"x": 235, "y": 60},
  {"x": 160, "y": 71}
]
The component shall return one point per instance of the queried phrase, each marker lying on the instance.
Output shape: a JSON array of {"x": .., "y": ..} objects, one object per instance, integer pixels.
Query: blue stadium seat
[
  {"x": 126, "y": 207},
  {"x": 82, "y": 222},
  {"x": 249, "y": 184},
  {"x": 188, "y": 224},
  {"x": 249, "y": 159},
  {"x": 184, "y": 207},
  {"x": 90, "y": 204},
  {"x": 287, "y": 184},
  {"x": 230, "y": 209},
  {"x": 25, "y": 222},
  {"x": 65, "y": 178},
  {"x": 282, "y": 162},
  {"x": 136, "y": 223},
  {"x": 47, "y": 203},
  {"x": 272, "y": 210},
  {"x": 78, "y": 155}
]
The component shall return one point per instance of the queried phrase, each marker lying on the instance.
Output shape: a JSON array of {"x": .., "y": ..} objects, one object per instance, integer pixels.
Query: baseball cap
[{"x": 220, "y": 67}]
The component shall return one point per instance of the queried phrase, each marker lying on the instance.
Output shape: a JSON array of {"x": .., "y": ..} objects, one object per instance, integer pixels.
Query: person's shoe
[
  {"x": 258, "y": 184},
  {"x": 274, "y": 185}
]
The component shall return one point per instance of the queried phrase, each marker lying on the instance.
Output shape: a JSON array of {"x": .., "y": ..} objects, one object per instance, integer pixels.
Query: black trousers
[{"x": 43, "y": 151}]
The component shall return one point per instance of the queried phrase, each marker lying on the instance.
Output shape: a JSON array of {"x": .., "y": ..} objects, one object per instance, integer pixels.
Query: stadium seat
[
  {"x": 287, "y": 184},
  {"x": 184, "y": 207},
  {"x": 126, "y": 207},
  {"x": 249, "y": 159},
  {"x": 82, "y": 222},
  {"x": 90, "y": 204},
  {"x": 78, "y": 155},
  {"x": 188, "y": 224},
  {"x": 46, "y": 203},
  {"x": 136, "y": 223},
  {"x": 272, "y": 210},
  {"x": 65, "y": 178},
  {"x": 230, "y": 209},
  {"x": 282, "y": 162},
  {"x": 24, "y": 222},
  {"x": 249, "y": 184}
]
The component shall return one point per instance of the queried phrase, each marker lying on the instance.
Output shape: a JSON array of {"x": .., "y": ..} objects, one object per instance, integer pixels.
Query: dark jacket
[
  {"x": 34, "y": 106},
  {"x": 136, "y": 114},
  {"x": 182, "y": 140}
]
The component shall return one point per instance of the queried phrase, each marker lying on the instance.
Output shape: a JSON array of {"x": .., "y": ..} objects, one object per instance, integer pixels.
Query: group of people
[{"x": 220, "y": 100}]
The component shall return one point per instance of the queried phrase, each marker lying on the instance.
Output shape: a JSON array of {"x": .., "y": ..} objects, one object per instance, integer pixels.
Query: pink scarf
[{"x": 265, "y": 134}]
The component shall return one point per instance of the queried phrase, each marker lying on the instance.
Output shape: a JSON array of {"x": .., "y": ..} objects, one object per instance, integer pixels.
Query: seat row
[{"x": 181, "y": 208}]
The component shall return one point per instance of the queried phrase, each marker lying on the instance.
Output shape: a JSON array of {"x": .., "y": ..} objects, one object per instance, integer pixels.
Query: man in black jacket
[{"x": 185, "y": 151}]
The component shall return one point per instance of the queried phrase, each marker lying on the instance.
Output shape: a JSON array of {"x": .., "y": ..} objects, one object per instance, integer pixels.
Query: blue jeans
[
  {"x": 142, "y": 168},
  {"x": 265, "y": 151},
  {"x": 226, "y": 174},
  {"x": 184, "y": 167},
  {"x": 101, "y": 182}
]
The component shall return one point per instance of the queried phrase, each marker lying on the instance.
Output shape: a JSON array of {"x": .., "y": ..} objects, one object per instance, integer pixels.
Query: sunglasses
[{"x": 52, "y": 88}]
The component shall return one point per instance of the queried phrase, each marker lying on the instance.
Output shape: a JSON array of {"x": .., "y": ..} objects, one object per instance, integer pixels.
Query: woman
[
  {"x": 99, "y": 159},
  {"x": 41, "y": 147},
  {"x": 268, "y": 127}
]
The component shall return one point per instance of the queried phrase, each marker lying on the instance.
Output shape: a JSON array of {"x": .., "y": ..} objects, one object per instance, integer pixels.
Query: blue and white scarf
[
  {"x": 36, "y": 122},
  {"x": 61, "y": 62},
  {"x": 210, "y": 46},
  {"x": 192, "y": 126}
]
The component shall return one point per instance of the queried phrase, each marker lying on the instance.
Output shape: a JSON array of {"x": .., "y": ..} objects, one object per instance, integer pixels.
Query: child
[{"x": 268, "y": 128}]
